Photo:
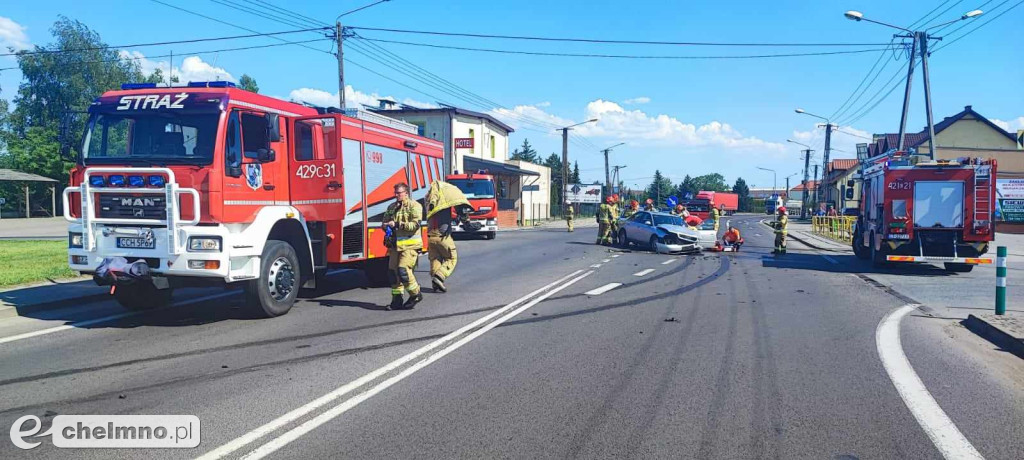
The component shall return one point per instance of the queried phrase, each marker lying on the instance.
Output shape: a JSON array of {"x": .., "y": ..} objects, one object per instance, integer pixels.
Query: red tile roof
[
  {"x": 841, "y": 165},
  {"x": 811, "y": 184}
]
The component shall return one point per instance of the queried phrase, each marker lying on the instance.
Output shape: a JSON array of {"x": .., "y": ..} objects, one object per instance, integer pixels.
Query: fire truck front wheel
[
  {"x": 142, "y": 296},
  {"x": 274, "y": 293},
  {"x": 858, "y": 245}
]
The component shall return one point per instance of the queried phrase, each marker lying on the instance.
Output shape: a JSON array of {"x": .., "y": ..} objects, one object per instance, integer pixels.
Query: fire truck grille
[{"x": 132, "y": 207}]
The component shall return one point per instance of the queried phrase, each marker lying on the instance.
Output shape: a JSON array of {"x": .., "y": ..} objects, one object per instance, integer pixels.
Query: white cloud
[
  {"x": 542, "y": 104},
  {"x": 1012, "y": 125},
  {"x": 192, "y": 68},
  {"x": 353, "y": 98},
  {"x": 12, "y": 35},
  {"x": 637, "y": 100}
]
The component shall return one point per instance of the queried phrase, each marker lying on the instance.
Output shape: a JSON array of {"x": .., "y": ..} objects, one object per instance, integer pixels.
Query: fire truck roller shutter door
[{"x": 352, "y": 222}]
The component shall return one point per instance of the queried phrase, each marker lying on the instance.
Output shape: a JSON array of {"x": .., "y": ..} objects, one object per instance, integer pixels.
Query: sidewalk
[
  {"x": 558, "y": 224},
  {"x": 39, "y": 228}
]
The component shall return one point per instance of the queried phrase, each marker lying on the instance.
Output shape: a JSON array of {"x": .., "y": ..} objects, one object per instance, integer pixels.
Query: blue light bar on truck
[
  {"x": 96, "y": 181},
  {"x": 138, "y": 85},
  {"x": 210, "y": 84}
]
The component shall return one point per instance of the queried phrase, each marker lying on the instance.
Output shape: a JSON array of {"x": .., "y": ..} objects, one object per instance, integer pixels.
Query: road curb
[{"x": 995, "y": 334}]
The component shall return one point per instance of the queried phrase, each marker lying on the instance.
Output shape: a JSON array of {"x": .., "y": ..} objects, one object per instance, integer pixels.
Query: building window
[
  {"x": 492, "y": 146},
  {"x": 472, "y": 135},
  {"x": 421, "y": 127}
]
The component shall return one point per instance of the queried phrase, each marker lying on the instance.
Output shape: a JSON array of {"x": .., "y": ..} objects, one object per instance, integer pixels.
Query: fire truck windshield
[
  {"x": 150, "y": 138},
  {"x": 475, "y": 188}
]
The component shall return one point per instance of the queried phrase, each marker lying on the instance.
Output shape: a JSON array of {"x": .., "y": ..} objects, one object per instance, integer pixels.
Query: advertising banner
[{"x": 579, "y": 193}]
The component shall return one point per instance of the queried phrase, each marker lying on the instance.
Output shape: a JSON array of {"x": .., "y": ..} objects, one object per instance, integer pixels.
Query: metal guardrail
[{"x": 838, "y": 228}]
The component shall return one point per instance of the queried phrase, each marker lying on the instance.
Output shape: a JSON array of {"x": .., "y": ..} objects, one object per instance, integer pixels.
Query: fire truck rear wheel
[
  {"x": 958, "y": 268},
  {"x": 490, "y": 235},
  {"x": 878, "y": 259},
  {"x": 142, "y": 296},
  {"x": 858, "y": 245},
  {"x": 274, "y": 292}
]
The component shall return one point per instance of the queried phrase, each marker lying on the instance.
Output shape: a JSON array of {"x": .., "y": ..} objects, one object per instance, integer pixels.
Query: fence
[{"x": 839, "y": 228}]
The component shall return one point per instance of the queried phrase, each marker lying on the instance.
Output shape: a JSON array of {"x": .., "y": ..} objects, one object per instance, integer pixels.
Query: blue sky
[{"x": 680, "y": 116}]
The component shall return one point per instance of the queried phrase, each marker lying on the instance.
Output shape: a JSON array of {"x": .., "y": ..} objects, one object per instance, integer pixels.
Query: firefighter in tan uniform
[
  {"x": 714, "y": 215},
  {"x": 614, "y": 223},
  {"x": 780, "y": 225},
  {"x": 442, "y": 199},
  {"x": 604, "y": 218},
  {"x": 403, "y": 218},
  {"x": 570, "y": 215}
]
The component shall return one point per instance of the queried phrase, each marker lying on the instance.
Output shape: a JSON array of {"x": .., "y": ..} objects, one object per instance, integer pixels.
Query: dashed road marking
[
  {"x": 668, "y": 261},
  {"x": 933, "y": 420},
  {"x": 595, "y": 266},
  {"x": 614, "y": 256},
  {"x": 606, "y": 261},
  {"x": 603, "y": 289},
  {"x": 643, "y": 272}
]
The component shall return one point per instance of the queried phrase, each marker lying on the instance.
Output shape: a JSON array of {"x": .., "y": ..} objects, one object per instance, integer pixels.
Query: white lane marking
[
  {"x": 603, "y": 289},
  {"x": 297, "y": 432},
  {"x": 105, "y": 319},
  {"x": 830, "y": 259},
  {"x": 668, "y": 261},
  {"x": 595, "y": 266},
  {"x": 933, "y": 420},
  {"x": 606, "y": 261},
  {"x": 302, "y": 411},
  {"x": 614, "y": 256},
  {"x": 643, "y": 272}
]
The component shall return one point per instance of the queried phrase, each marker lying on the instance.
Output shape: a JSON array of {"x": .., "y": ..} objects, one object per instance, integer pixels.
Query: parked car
[
  {"x": 658, "y": 232},
  {"x": 708, "y": 235}
]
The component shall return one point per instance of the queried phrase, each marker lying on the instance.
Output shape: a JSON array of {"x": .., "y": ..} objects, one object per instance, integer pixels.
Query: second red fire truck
[{"x": 926, "y": 211}]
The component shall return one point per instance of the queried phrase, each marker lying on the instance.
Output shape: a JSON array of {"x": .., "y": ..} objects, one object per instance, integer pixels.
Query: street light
[
  {"x": 565, "y": 158},
  {"x": 775, "y": 182},
  {"x": 828, "y": 140},
  {"x": 807, "y": 164},
  {"x": 919, "y": 40}
]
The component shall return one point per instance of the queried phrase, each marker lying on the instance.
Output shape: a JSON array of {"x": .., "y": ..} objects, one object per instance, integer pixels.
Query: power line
[
  {"x": 937, "y": 16},
  {"x": 911, "y": 26},
  {"x": 940, "y": 29},
  {"x": 227, "y": 23},
  {"x": 857, "y": 113},
  {"x": 850, "y": 98},
  {"x": 175, "y": 42},
  {"x": 360, "y": 8},
  {"x": 246, "y": 9},
  {"x": 186, "y": 53},
  {"x": 294, "y": 14},
  {"x": 594, "y": 40},
  {"x": 885, "y": 96},
  {"x": 619, "y": 56}
]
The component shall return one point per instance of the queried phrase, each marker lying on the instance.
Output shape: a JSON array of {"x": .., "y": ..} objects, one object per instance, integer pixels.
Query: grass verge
[{"x": 29, "y": 261}]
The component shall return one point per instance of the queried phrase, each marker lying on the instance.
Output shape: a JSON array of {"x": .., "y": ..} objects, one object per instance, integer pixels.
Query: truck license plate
[{"x": 136, "y": 243}]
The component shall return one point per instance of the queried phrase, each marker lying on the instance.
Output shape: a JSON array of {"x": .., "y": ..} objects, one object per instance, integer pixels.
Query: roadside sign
[
  {"x": 1010, "y": 199},
  {"x": 463, "y": 142},
  {"x": 531, "y": 188},
  {"x": 578, "y": 193},
  {"x": 672, "y": 201},
  {"x": 3, "y": 201}
]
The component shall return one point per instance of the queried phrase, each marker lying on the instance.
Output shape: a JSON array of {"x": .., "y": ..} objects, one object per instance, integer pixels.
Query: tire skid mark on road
[
  {"x": 257, "y": 343},
  {"x": 724, "y": 267},
  {"x": 722, "y": 388},
  {"x": 635, "y": 441},
  {"x": 597, "y": 418},
  {"x": 946, "y": 437},
  {"x": 768, "y": 406}
]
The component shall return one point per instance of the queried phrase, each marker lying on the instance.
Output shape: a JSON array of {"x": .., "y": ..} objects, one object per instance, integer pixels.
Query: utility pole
[
  {"x": 828, "y": 149},
  {"x": 906, "y": 92},
  {"x": 565, "y": 166},
  {"x": 341, "y": 65},
  {"x": 615, "y": 174},
  {"x": 803, "y": 196},
  {"x": 817, "y": 188},
  {"x": 607, "y": 176},
  {"x": 927, "y": 93}
]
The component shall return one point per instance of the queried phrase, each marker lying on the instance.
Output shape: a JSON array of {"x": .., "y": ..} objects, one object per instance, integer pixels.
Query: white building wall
[
  {"x": 535, "y": 205},
  {"x": 482, "y": 133}
]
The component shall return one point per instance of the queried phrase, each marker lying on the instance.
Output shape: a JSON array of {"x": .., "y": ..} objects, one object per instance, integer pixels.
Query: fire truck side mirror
[
  {"x": 273, "y": 128},
  {"x": 265, "y": 155},
  {"x": 64, "y": 137}
]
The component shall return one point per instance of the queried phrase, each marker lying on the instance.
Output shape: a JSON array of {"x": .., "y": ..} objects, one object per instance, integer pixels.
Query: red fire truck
[
  {"x": 479, "y": 190},
  {"x": 926, "y": 211},
  {"x": 210, "y": 184}
]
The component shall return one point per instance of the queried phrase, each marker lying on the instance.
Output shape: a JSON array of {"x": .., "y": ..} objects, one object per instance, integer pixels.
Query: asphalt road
[{"x": 534, "y": 353}]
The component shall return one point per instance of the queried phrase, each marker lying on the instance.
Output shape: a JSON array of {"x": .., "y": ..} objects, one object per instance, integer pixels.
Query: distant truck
[
  {"x": 479, "y": 190},
  {"x": 700, "y": 207},
  {"x": 772, "y": 203},
  {"x": 726, "y": 202},
  {"x": 926, "y": 211}
]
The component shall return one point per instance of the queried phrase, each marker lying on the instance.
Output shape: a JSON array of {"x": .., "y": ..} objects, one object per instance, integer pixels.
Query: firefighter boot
[
  {"x": 413, "y": 300},
  {"x": 438, "y": 282},
  {"x": 396, "y": 302}
]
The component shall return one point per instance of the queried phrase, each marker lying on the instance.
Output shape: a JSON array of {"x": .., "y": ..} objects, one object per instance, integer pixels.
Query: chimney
[
  {"x": 385, "y": 104},
  {"x": 968, "y": 109}
]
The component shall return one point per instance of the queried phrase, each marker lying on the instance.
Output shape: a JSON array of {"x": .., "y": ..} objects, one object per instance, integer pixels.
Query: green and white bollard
[{"x": 1001, "y": 280}]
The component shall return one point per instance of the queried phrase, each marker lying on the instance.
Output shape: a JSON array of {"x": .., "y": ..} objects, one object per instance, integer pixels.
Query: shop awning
[{"x": 494, "y": 167}]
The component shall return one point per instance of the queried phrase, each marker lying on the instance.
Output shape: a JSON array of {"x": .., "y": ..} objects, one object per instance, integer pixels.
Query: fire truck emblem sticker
[{"x": 254, "y": 175}]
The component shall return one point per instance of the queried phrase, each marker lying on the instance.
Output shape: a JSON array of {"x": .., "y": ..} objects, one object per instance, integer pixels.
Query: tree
[
  {"x": 660, "y": 188},
  {"x": 575, "y": 173},
  {"x": 54, "y": 84},
  {"x": 741, "y": 189},
  {"x": 525, "y": 153},
  {"x": 248, "y": 83},
  {"x": 686, "y": 187}
]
